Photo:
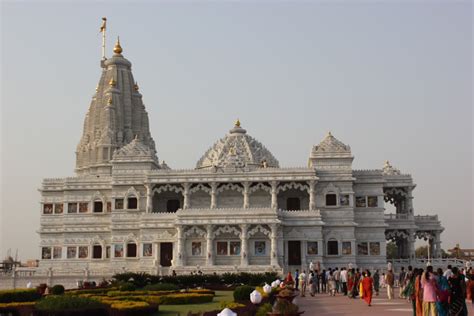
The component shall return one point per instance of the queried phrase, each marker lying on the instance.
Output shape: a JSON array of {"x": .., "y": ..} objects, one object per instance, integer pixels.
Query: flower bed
[{"x": 19, "y": 295}]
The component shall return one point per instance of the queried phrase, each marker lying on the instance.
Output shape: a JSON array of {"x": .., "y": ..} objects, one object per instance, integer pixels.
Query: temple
[{"x": 237, "y": 210}]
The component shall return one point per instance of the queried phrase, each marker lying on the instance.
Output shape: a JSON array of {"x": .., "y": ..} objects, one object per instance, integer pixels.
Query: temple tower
[{"x": 115, "y": 118}]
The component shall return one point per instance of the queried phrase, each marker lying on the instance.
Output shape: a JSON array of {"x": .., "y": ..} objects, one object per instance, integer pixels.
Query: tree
[
  {"x": 392, "y": 250},
  {"x": 422, "y": 252}
]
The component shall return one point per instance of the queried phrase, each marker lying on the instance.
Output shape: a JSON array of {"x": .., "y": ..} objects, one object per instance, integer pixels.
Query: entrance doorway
[
  {"x": 294, "y": 253},
  {"x": 166, "y": 254}
]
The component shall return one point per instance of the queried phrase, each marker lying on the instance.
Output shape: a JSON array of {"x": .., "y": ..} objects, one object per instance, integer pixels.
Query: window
[
  {"x": 58, "y": 208},
  {"x": 331, "y": 199},
  {"x": 312, "y": 248},
  {"x": 119, "y": 204},
  {"x": 260, "y": 248},
  {"x": 360, "y": 201},
  {"x": 362, "y": 249},
  {"x": 375, "y": 249},
  {"x": 57, "y": 252},
  {"x": 344, "y": 199},
  {"x": 372, "y": 201},
  {"x": 97, "y": 252},
  {"x": 118, "y": 250},
  {"x": 172, "y": 206},
  {"x": 83, "y": 207},
  {"x": 46, "y": 253},
  {"x": 98, "y": 207},
  {"x": 71, "y": 252},
  {"x": 346, "y": 248},
  {"x": 131, "y": 250},
  {"x": 47, "y": 208},
  {"x": 333, "y": 248},
  {"x": 234, "y": 248},
  {"x": 72, "y": 207},
  {"x": 196, "y": 249},
  {"x": 222, "y": 248},
  {"x": 147, "y": 250},
  {"x": 132, "y": 203},
  {"x": 83, "y": 252},
  {"x": 293, "y": 203}
]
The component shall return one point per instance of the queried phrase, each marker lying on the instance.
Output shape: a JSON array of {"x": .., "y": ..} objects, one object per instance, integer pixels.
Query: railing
[
  {"x": 392, "y": 216},
  {"x": 426, "y": 217}
]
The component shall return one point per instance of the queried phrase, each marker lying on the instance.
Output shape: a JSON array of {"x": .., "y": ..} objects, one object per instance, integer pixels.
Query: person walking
[
  {"x": 343, "y": 279},
  {"x": 409, "y": 291},
  {"x": 457, "y": 285},
  {"x": 367, "y": 284},
  {"x": 302, "y": 283},
  {"x": 376, "y": 280},
  {"x": 332, "y": 284},
  {"x": 297, "y": 275},
  {"x": 401, "y": 282},
  {"x": 313, "y": 283},
  {"x": 389, "y": 281},
  {"x": 428, "y": 282},
  {"x": 337, "y": 277},
  {"x": 419, "y": 293},
  {"x": 470, "y": 285},
  {"x": 323, "y": 279},
  {"x": 442, "y": 293}
]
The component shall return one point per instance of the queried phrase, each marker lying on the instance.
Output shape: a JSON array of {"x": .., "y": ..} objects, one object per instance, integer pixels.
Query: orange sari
[
  {"x": 418, "y": 296},
  {"x": 367, "y": 284}
]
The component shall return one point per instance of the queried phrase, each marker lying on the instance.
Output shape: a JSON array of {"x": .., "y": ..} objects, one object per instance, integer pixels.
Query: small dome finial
[
  {"x": 117, "y": 48},
  {"x": 329, "y": 133},
  {"x": 112, "y": 82},
  {"x": 135, "y": 86},
  {"x": 237, "y": 123},
  {"x": 109, "y": 101}
]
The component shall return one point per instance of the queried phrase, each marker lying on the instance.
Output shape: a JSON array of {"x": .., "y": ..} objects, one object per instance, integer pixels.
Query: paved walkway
[{"x": 323, "y": 304}]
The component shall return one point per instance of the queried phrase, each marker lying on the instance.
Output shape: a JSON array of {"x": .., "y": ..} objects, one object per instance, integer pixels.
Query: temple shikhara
[{"x": 236, "y": 210}]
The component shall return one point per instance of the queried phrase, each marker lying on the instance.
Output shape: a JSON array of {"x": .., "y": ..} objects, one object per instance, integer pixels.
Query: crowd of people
[{"x": 431, "y": 293}]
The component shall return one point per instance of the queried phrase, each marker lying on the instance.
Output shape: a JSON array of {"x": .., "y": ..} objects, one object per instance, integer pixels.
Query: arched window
[
  {"x": 97, "y": 252},
  {"x": 331, "y": 199},
  {"x": 131, "y": 250},
  {"x": 333, "y": 248}
]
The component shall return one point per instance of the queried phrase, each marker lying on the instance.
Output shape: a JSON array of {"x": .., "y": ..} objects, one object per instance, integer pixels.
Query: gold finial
[
  {"x": 135, "y": 86},
  {"x": 117, "y": 47},
  {"x": 112, "y": 82},
  {"x": 109, "y": 101},
  {"x": 237, "y": 123},
  {"x": 329, "y": 133}
]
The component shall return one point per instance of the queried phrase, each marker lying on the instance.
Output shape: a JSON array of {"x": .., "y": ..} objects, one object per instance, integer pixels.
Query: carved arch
[
  {"x": 331, "y": 188},
  {"x": 98, "y": 196},
  {"x": 168, "y": 187},
  {"x": 260, "y": 228},
  {"x": 227, "y": 229},
  {"x": 292, "y": 185},
  {"x": 132, "y": 192},
  {"x": 230, "y": 186},
  {"x": 200, "y": 187},
  {"x": 195, "y": 230},
  {"x": 260, "y": 186},
  {"x": 97, "y": 240}
]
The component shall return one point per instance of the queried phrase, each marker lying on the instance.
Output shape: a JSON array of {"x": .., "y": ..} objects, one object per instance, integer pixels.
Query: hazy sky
[{"x": 393, "y": 79}]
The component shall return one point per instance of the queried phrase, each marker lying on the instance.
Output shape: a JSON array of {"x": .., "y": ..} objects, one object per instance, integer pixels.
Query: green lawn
[{"x": 182, "y": 310}]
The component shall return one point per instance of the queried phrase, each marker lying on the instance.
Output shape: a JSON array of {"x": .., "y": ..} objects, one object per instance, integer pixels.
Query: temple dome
[
  {"x": 330, "y": 145},
  {"x": 237, "y": 150}
]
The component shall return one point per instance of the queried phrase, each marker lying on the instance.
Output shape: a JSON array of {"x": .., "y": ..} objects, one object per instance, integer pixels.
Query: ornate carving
[
  {"x": 396, "y": 235},
  {"x": 200, "y": 187},
  {"x": 259, "y": 228},
  {"x": 260, "y": 186},
  {"x": 168, "y": 187},
  {"x": 330, "y": 144},
  {"x": 227, "y": 230},
  {"x": 230, "y": 186},
  {"x": 389, "y": 170},
  {"x": 292, "y": 185},
  {"x": 195, "y": 230}
]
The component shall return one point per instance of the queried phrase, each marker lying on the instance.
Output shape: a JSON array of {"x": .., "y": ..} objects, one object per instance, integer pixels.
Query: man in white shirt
[
  {"x": 448, "y": 273},
  {"x": 302, "y": 282},
  {"x": 343, "y": 279}
]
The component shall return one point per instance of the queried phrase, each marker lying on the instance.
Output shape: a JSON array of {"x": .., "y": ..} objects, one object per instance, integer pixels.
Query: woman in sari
[
  {"x": 457, "y": 302},
  {"x": 442, "y": 294},
  {"x": 419, "y": 293},
  {"x": 350, "y": 281},
  {"x": 367, "y": 284}
]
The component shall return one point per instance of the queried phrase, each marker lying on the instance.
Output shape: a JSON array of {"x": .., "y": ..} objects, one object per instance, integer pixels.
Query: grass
[{"x": 183, "y": 310}]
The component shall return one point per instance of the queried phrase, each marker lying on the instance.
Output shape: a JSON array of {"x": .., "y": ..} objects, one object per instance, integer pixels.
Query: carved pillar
[
  {"x": 244, "y": 259},
  {"x": 149, "y": 199},
  {"x": 274, "y": 245},
  {"x": 274, "y": 185},
  {"x": 409, "y": 203},
  {"x": 411, "y": 244},
  {"x": 312, "y": 199},
  {"x": 246, "y": 194},
  {"x": 437, "y": 243},
  {"x": 304, "y": 264},
  {"x": 213, "y": 195},
  {"x": 180, "y": 244},
  {"x": 186, "y": 194},
  {"x": 209, "y": 246}
]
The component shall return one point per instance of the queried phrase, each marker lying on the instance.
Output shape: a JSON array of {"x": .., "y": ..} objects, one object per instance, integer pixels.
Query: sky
[{"x": 393, "y": 79}]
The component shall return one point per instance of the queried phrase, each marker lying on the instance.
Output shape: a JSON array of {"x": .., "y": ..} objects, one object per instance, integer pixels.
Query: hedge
[
  {"x": 63, "y": 302},
  {"x": 242, "y": 293},
  {"x": 57, "y": 290},
  {"x": 161, "y": 287},
  {"x": 19, "y": 295}
]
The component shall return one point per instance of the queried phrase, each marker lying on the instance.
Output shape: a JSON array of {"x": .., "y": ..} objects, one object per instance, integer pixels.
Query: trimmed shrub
[
  {"x": 91, "y": 291},
  {"x": 16, "y": 304},
  {"x": 161, "y": 287},
  {"x": 231, "y": 305},
  {"x": 242, "y": 293},
  {"x": 64, "y": 302},
  {"x": 19, "y": 295},
  {"x": 264, "y": 309},
  {"x": 127, "y": 287},
  {"x": 58, "y": 289}
]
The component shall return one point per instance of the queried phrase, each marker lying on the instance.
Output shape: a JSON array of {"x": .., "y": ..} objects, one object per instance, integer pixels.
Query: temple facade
[{"x": 237, "y": 210}]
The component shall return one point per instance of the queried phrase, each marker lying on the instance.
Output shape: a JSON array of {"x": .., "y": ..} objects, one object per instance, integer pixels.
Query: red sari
[{"x": 367, "y": 284}]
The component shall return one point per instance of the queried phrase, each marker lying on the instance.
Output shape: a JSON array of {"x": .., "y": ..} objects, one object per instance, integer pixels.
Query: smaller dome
[
  {"x": 331, "y": 144},
  {"x": 135, "y": 150},
  {"x": 237, "y": 150}
]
